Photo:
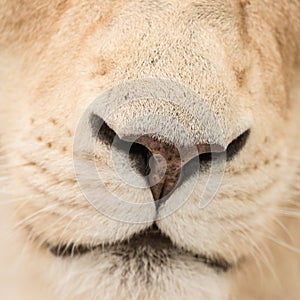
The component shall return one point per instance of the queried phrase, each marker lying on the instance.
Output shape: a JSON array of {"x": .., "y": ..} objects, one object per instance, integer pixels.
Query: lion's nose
[
  {"x": 161, "y": 161},
  {"x": 165, "y": 163}
]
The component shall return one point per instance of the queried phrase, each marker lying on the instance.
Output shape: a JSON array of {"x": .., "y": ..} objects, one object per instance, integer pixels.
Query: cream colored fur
[{"x": 241, "y": 56}]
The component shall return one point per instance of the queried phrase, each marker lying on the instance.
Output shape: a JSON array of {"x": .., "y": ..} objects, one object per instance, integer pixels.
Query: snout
[
  {"x": 157, "y": 132},
  {"x": 160, "y": 160}
]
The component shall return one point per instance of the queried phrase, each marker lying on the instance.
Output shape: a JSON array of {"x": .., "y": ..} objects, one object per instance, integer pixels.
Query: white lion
[{"x": 175, "y": 81}]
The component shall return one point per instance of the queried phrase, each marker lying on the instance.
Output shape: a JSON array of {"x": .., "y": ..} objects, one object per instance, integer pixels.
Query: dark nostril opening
[
  {"x": 140, "y": 156},
  {"x": 101, "y": 130},
  {"x": 138, "y": 153},
  {"x": 237, "y": 145},
  {"x": 204, "y": 160}
]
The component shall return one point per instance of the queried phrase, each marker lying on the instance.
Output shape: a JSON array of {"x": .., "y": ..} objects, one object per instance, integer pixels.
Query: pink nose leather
[{"x": 166, "y": 163}]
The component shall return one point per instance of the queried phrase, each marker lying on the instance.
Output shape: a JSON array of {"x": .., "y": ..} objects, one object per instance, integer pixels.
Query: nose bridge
[
  {"x": 163, "y": 117},
  {"x": 164, "y": 107}
]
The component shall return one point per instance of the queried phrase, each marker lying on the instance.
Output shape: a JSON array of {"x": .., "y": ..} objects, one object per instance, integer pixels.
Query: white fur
[{"x": 236, "y": 56}]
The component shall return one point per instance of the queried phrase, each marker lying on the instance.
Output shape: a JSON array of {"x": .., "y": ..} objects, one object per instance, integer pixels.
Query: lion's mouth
[{"x": 151, "y": 240}]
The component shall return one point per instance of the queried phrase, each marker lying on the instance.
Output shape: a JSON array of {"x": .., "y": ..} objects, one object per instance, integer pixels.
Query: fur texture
[{"x": 240, "y": 56}]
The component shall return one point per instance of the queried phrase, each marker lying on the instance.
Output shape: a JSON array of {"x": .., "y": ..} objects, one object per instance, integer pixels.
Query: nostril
[
  {"x": 140, "y": 156},
  {"x": 101, "y": 130},
  {"x": 237, "y": 145},
  {"x": 137, "y": 153}
]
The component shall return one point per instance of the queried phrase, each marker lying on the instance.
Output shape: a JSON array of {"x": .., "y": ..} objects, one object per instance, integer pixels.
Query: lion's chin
[{"x": 150, "y": 245}]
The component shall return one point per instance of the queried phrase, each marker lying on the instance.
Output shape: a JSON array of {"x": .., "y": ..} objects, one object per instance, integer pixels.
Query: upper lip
[{"x": 151, "y": 238}]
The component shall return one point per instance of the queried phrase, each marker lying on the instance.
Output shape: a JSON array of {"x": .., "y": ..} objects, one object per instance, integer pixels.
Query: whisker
[
  {"x": 36, "y": 213},
  {"x": 265, "y": 259},
  {"x": 280, "y": 242},
  {"x": 286, "y": 212},
  {"x": 283, "y": 227}
]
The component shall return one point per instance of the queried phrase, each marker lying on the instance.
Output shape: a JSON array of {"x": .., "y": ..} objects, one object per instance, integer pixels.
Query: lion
[{"x": 150, "y": 149}]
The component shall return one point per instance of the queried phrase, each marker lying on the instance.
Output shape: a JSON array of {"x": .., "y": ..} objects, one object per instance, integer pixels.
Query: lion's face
[{"x": 179, "y": 246}]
